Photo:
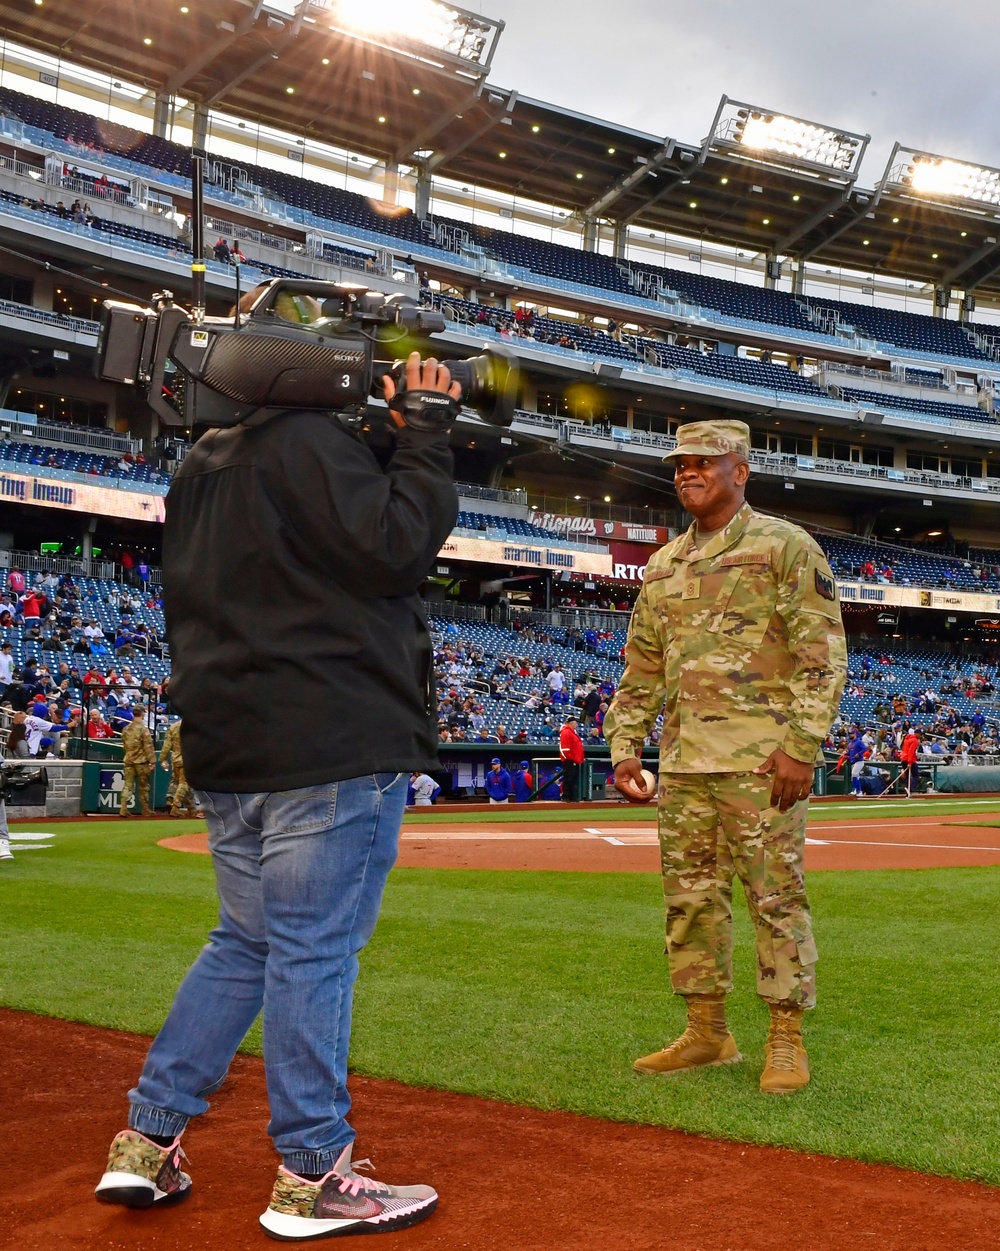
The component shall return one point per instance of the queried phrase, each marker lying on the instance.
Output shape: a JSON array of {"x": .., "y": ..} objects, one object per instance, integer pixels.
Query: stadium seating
[
  {"x": 733, "y": 299},
  {"x": 916, "y": 331},
  {"x": 98, "y": 600},
  {"x": 713, "y": 365},
  {"x": 514, "y": 526},
  {"x": 735, "y": 369},
  {"x": 910, "y": 567},
  {"x": 319, "y": 205},
  {"x": 25, "y": 457},
  {"x": 929, "y": 410},
  {"x": 907, "y": 673}
]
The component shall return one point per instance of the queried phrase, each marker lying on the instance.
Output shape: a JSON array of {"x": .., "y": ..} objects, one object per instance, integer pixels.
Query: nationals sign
[{"x": 595, "y": 528}]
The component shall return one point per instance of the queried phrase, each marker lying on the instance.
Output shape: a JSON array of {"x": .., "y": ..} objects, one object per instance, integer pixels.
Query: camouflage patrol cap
[{"x": 711, "y": 438}]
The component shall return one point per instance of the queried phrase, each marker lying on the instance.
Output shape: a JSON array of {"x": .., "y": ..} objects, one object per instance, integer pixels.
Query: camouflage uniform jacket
[
  {"x": 172, "y": 747},
  {"x": 743, "y": 639},
  {"x": 138, "y": 744}
]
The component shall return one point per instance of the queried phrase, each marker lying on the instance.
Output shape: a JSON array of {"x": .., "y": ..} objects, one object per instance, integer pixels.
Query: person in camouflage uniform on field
[
  {"x": 171, "y": 758},
  {"x": 737, "y": 636},
  {"x": 140, "y": 760}
]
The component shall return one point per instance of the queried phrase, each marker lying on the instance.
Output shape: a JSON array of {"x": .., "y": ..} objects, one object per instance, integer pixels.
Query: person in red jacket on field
[
  {"x": 908, "y": 756},
  {"x": 571, "y": 754}
]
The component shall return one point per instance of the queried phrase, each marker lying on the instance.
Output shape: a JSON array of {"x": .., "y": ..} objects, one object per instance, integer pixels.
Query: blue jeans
[{"x": 300, "y": 876}]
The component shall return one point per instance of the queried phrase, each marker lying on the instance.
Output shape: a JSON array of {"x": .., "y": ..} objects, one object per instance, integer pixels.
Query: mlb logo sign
[{"x": 110, "y": 788}]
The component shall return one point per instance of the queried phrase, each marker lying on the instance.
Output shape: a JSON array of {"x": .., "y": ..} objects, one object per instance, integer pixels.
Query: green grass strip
[{"x": 540, "y": 988}]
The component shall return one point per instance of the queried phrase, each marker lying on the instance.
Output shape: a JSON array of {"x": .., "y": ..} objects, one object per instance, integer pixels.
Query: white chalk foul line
[
  {"x": 851, "y": 842},
  {"x": 607, "y": 838}
]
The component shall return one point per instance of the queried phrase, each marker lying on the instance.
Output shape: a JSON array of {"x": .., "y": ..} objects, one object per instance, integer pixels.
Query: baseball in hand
[{"x": 649, "y": 782}]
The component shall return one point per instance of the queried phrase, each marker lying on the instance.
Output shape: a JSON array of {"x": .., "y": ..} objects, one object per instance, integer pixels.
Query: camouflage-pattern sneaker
[
  {"x": 342, "y": 1202},
  {"x": 140, "y": 1173}
]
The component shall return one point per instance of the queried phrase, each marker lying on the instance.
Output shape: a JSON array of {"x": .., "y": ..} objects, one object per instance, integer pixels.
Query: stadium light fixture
[
  {"x": 465, "y": 36},
  {"x": 939, "y": 177},
  {"x": 761, "y": 133}
]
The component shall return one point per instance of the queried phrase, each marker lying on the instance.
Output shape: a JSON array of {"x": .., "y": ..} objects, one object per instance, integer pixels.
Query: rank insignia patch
[{"x": 825, "y": 586}]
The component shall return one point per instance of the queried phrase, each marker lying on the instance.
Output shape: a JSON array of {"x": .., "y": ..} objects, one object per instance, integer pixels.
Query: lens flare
[{"x": 418, "y": 21}]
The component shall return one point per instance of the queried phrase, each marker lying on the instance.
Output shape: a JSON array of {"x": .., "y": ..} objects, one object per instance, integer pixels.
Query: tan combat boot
[
  {"x": 786, "y": 1065},
  {"x": 705, "y": 1043}
]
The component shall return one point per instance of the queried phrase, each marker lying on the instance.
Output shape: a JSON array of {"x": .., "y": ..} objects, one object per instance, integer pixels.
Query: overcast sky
[{"x": 921, "y": 71}]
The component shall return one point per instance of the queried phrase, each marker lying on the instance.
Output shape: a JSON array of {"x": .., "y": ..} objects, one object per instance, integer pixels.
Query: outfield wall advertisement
[
  {"x": 81, "y": 497},
  {"x": 498, "y": 552},
  {"x": 880, "y": 595},
  {"x": 596, "y": 528}
]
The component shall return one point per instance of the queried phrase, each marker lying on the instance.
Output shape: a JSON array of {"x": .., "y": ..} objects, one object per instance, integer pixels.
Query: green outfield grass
[{"x": 540, "y": 988}]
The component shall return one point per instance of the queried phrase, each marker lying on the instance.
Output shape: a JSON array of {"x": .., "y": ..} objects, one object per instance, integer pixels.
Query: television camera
[{"x": 290, "y": 344}]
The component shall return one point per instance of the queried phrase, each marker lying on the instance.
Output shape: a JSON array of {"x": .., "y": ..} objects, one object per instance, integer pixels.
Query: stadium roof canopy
[{"x": 407, "y": 81}]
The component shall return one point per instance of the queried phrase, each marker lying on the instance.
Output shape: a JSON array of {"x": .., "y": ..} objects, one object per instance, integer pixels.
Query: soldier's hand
[
  {"x": 629, "y": 781},
  {"x": 792, "y": 779}
]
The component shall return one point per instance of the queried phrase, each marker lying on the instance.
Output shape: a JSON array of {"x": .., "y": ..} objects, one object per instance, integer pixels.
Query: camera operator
[{"x": 302, "y": 667}]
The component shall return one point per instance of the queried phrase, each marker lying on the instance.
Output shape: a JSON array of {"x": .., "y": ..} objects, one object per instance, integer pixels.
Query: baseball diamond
[{"x": 499, "y": 625}]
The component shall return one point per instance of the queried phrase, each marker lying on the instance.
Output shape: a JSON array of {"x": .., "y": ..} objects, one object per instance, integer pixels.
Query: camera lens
[{"x": 490, "y": 385}]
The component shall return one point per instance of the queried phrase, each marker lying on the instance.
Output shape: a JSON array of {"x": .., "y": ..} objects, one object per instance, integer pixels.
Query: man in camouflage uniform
[
  {"x": 140, "y": 759},
  {"x": 738, "y": 629},
  {"x": 183, "y": 796}
]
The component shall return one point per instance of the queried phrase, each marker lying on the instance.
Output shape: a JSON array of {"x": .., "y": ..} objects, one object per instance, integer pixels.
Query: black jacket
[{"x": 300, "y": 652}]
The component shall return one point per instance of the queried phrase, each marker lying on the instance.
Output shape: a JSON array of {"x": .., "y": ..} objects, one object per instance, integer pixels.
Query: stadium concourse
[{"x": 764, "y": 273}]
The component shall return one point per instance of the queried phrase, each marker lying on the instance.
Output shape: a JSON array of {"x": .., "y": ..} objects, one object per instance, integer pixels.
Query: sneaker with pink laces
[
  {"x": 342, "y": 1202},
  {"x": 140, "y": 1173}
]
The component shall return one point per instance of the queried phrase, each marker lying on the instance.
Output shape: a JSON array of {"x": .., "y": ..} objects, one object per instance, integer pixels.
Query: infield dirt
[
  {"x": 510, "y": 1178},
  {"x": 614, "y": 847}
]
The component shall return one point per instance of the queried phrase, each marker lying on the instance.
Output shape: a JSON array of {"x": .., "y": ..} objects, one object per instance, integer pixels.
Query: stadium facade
[{"x": 644, "y": 282}]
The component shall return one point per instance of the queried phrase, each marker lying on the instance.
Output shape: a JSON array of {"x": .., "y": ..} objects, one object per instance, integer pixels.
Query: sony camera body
[{"x": 290, "y": 344}]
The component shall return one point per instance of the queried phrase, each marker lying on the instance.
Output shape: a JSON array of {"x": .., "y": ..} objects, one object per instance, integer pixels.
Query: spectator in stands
[
  {"x": 16, "y": 583},
  {"x": 96, "y": 726},
  {"x": 591, "y": 705},
  {"x": 123, "y": 643},
  {"x": 31, "y": 606}
]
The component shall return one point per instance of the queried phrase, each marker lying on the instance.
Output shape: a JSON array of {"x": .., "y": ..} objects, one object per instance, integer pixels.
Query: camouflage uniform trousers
[
  {"x": 136, "y": 777},
  {"x": 183, "y": 795},
  {"x": 714, "y": 825}
]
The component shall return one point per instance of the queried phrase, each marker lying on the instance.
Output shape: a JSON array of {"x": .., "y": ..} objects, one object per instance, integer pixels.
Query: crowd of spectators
[
  {"x": 81, "y": 669},
  {"x": 471, "y": 681},
  {"x": 948, "y": 735}
]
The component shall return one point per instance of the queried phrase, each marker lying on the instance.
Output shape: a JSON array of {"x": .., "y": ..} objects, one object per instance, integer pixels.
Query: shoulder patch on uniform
[
  {"x": 746, "y": 558},
  {"x": 825, "y": 586},
  {"x": 655, "y": 575}
]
